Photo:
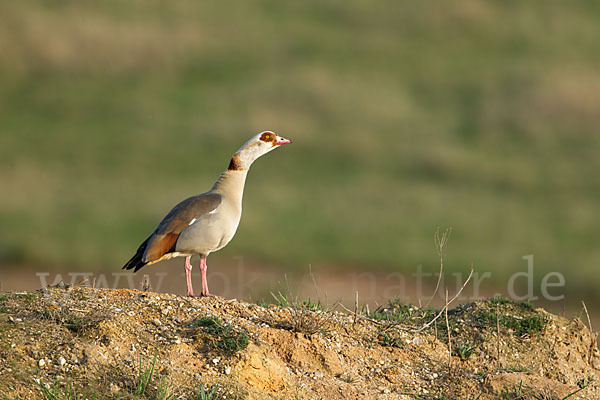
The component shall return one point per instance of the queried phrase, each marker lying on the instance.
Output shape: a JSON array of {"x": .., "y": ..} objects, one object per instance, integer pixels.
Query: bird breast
[{"x": 209, "y": 232}]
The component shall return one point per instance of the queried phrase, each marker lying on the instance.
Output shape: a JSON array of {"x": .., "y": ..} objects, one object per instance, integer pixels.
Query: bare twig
[
  {"x": 440, "y": 242},
  {"x": 82, "y": 282},
  {"x": 498, "y": 333},
  {"x": 448, "y": 330},
  {"x": 383, "y": 324},
  {"x": 313, "y": 281},
  {"x": 427, "y": 325},
  {"x": 593, "y": 344},
  {"x": 392, "y": 324},
  {"x": 587, "y": 315},
  {"x": 355, "y": 308}
]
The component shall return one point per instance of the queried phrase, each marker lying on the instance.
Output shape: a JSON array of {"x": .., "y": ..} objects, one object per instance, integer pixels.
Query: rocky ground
[{"x": 77, "y": 343}]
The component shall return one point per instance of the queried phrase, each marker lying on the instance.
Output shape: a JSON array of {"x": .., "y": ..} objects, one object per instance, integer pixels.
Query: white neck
[{"x": 231, "y": 185}]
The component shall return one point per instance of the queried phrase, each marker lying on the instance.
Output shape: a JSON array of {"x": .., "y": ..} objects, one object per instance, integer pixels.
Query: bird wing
[{"x": 168, "y": 230}]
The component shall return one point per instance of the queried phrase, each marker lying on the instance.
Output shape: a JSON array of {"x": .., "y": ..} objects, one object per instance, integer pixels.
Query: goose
[{"x": 207, "y": 222}]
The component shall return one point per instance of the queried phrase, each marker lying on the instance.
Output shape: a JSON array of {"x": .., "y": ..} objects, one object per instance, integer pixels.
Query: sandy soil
[{"x": 98, "y": 342}]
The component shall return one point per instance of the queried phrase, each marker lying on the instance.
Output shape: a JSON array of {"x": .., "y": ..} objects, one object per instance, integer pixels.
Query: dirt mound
[{"x": 77, "y": 343}]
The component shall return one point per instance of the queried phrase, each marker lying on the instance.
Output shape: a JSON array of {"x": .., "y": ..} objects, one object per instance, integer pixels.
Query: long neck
[
  {"x": 232, "y": 180},
  {"x": 231, "y": 185}
]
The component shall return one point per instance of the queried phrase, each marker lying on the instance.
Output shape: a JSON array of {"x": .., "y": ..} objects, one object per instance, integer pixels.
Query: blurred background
[{"x": 405, "y": 117}]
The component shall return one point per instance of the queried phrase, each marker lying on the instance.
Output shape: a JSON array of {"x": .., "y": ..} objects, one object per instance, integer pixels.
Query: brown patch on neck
[{"x": 235, "y": 164}]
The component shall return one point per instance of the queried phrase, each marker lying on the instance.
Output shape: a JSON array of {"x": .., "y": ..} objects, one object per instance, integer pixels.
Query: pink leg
[
  {"x": 203, "y": 268},
  {"x": 188, "y": 276}
]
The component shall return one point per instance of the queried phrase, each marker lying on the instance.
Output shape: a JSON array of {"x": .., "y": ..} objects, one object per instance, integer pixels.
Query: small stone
[
  {"x": 434, "y": 375},
  {"x": 114, "y": 389},
  {"x": 156, "y": 322},
  {"x": 165, "y": 311},
  {"x": 216, "y": 360},
  {"x": 41, "y": 363},
  {"x": 227, "y": 370},
  {"x": 61, "y": 361}
]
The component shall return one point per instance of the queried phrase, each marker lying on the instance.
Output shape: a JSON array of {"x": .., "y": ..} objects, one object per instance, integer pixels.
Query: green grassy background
[{"x": 405, "y": 116}]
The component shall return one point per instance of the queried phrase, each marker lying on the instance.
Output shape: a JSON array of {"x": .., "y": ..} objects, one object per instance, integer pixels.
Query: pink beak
[{"x": 281, "y": 141}]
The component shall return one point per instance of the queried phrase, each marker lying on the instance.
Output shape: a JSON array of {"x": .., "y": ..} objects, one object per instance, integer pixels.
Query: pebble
[
  {"x": 41, "y": 363},
  {"x": 114, "y": 389},
  {"x": 216, "y": 360},
  {"x": 227, "y": 370},
  {"x": 156, "y": 322},
  {"x": 61, "y": 361}
]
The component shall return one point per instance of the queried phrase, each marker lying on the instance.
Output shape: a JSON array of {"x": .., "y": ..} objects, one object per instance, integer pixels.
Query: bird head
[{"x": 257, "y": 146}]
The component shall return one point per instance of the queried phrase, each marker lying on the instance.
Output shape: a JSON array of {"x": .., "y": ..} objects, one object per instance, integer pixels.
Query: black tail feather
[{"x": 137, "y": 261}]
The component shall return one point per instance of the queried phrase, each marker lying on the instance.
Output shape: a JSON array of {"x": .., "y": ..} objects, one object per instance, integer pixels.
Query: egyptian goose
[{"x": 205, "y": 223}]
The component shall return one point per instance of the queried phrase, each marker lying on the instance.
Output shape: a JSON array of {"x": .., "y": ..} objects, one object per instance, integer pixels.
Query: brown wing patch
[
  {"x": 159, "y": 246},
  {"x": 183, "y": 213},
  {"x": 268, "y": 137},
  {"x": 165, "y": 236}
]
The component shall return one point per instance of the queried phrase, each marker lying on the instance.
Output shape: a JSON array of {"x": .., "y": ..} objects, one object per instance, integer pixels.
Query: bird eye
[{"x": 267, "y": 137}]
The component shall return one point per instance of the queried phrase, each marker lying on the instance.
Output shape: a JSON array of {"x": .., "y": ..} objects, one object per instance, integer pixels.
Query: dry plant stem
[
  {"x": 593, "y": 344},
  {"x": 313, "y": 280},
  {"x": 381, "y": 323},
  {"x": 587, "y": 315},
  {"x": 82, "y": 282},
  {"x": 387, "y": 324},
  {"x": 355, "y": 308},
  {"x": 498, "y": 333},
  {"x": 440, "y": 242},
  {"x": 448, "y": 330},
  {"x": 427, "y": 325}
]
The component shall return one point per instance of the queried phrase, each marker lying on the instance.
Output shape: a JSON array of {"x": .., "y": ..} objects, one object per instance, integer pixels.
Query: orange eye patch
[{"x": 268, "y": 137}]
